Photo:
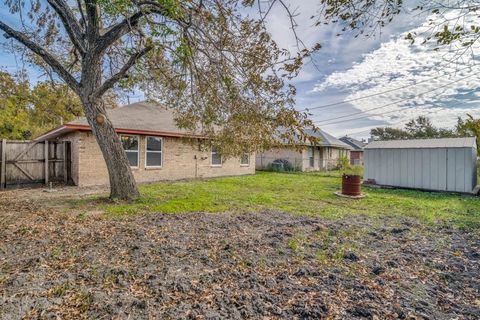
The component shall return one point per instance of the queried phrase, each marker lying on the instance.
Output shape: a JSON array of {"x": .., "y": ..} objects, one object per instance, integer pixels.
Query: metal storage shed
[{"x": 431, "y": 164}]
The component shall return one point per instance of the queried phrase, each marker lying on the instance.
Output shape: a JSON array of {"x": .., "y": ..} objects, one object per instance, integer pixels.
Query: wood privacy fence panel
[{"x": 26, "y": 163}]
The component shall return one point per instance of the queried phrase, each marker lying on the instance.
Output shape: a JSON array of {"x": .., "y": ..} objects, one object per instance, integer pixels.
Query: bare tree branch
[
  {"x": 70, "y": 23},
  {"x": 45, "y": 55},
  {"x": 108, "y": 84},
  {"x": 93, "y": 20},
  {"x": 82, "y": 15},
  {"x": 125, "y": 26},
  {"x": 117, "y": 31}
]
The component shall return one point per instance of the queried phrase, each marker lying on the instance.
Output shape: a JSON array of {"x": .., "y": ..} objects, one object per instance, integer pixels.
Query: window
[
  {"x": 216, "y": 157},
  {"x": 310, "y": 157},
  {"x": 153, "y": 152},
  {"x": 130, "y": 145},
  {"x": 245, "y": 159}
]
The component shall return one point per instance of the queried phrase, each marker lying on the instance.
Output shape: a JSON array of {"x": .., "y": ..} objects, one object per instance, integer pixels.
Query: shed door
[{"x": 460, "y": 164}]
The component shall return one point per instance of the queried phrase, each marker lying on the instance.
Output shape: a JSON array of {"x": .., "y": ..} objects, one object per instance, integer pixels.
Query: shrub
[{"x": 346, "y": 168}]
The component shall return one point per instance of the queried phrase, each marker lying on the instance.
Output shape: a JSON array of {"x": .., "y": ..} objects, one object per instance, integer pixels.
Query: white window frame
[
  {"x": 138, "y": 148},
  {"x": 146, "y": 152},
  {"x": 248, "y": 160},
  {"x": 211, "y": 159}
]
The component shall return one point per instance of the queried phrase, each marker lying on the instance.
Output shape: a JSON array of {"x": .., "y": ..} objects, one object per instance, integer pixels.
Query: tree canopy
[
  {"x": 451, "y": 22},
  {"x": 469, "y": 127},
  {"x": 26, "y": 111},
  {"x": 422, "y": 128}
]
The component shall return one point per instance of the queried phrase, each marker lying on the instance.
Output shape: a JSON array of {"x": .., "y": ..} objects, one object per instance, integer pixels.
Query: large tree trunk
[{"x": 122, "y": 182}]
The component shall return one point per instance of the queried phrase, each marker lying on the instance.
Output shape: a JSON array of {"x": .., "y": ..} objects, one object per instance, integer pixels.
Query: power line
[
  {"x": 391, "y": 103},
  {"x": 380, "y": 93},
  {"x": 381, "y": 114},
  {"x": 395, "y": 123}
]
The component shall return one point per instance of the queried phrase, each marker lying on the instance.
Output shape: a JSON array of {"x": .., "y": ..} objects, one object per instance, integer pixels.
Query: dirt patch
[
  {"x": 56, "y": 194},
  {"x": 264, "y": 265}
]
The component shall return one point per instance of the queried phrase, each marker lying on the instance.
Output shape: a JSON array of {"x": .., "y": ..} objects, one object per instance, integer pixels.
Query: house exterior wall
[
  {"x": 329, "y": 157},
  {"x": 181, "y": 160},
  {"x": 325, "y": 158},
  {"x": 293, "y": 155},
  {"x": 440, "y": 169}
]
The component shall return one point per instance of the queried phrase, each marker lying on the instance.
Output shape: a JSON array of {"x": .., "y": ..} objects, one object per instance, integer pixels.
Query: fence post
[
  {"x": 46, "y": 162},
  {"x": 3, "y": 169}
]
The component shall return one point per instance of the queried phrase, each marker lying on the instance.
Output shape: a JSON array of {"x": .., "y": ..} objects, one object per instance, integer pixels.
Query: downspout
[{"x": 196, "y": 166}]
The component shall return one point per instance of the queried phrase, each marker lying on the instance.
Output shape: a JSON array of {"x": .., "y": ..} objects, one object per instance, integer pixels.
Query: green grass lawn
[{"x": 296, "y": 193}]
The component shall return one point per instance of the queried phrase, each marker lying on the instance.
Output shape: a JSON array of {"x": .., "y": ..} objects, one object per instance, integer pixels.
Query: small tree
[
  {"x": 469, "y": 127},
  {"x": 14, "y": 100},
  {"x": 218, "y": 67},
  {"x": 418, "y": 128},
  {"x": 389, "y": 133}
]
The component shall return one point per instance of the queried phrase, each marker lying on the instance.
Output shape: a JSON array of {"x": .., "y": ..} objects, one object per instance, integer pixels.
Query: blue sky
[{"x": 349, "y": 68}]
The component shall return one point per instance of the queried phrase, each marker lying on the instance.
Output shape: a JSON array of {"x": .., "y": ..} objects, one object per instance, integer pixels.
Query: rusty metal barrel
[{"x": 351, "y": 185}]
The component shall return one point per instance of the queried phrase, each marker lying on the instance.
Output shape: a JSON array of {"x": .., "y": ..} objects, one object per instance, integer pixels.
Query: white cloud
[{"x": 398, "y": 63}]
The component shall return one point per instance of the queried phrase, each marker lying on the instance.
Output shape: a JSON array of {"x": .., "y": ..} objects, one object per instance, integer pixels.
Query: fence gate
[{"x": 29, "y": 163}]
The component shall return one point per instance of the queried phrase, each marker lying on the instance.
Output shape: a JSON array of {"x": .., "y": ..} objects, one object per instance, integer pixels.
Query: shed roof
[{"x": 466, "y": 142}]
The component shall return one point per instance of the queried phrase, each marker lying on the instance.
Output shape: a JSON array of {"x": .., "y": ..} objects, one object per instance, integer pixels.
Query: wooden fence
[{"x": 29, "y": 163}]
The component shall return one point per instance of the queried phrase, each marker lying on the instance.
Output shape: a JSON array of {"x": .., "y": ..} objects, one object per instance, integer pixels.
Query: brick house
[
  {"x": 156, "y": 149},
  {"x": 306, "y": 157},
  {"x": 356, "y": 154}
]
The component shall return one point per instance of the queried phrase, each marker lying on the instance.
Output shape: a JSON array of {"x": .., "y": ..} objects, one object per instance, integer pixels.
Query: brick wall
[{"x": 181, "y": 160}]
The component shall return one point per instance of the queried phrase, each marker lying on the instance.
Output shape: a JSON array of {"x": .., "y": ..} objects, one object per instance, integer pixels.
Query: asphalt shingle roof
[
  {"x": 327, "y": 140},
  {"x": 354, "y": 143},
  {"x": 150, "y": 117},
  {"x": 140, "y": 116}
]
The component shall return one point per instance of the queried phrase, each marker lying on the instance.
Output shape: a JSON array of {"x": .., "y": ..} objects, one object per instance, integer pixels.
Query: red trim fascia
[{"x": 133, "y": 131}]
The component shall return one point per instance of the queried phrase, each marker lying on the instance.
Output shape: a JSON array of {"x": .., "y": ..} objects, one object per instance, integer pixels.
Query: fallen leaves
[{"x": 266, "y": 265}]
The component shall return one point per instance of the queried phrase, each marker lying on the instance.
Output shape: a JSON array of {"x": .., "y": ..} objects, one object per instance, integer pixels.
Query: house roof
[
  {"x": 136, "y": 118},
  {"x": 467, "y": 142},
  {"x": 354, "y": 143},
  {"x": 153, "y": 119},
  {"x": 327, "y": 140}
]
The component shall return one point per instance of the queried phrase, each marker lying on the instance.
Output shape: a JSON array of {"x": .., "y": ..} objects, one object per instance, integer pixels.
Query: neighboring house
[
  {"x": 156, "y": 148},
  {"x": 324, "y": 155},
  {"x": 356, "y": 154}
]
